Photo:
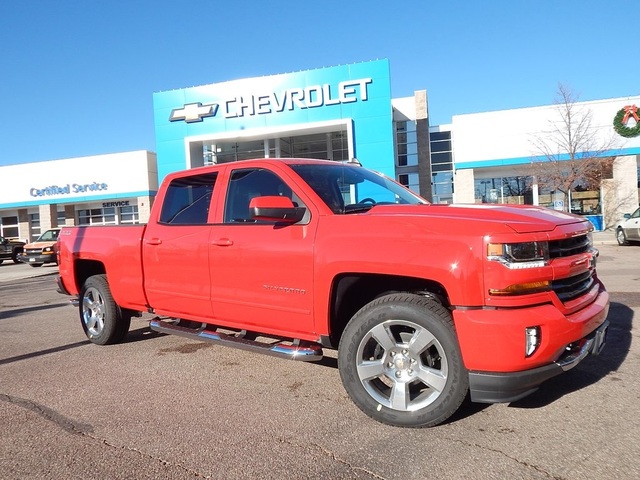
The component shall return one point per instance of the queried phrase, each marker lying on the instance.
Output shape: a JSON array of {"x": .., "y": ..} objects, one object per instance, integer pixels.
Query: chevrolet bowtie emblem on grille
[{"x": 193, "y": 112}]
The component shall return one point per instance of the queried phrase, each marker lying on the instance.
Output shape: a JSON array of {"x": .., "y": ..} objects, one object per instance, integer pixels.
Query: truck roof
[{"x": 262, "y": 161}]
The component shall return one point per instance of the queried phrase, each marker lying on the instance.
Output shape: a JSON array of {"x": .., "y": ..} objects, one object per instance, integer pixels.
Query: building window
[
  {"x": 406, "y": 144},
  {"x": 410, "y": 180},
  {"x": 124, "y": 215},
  {"x": 225, "y": 152},
  {"x": 442, "y": 187},
  {"x": 512, "y": 190},
  {"x": 9, "y": 227},
  {"x": 129, "y": 214},
  {"x": 34, "y": 221},
  {"x": 440, "y": 136},
  {"x": 441, "y": 167},
  {"x": 97, "y": 216},
  {"x": 329, "y": 146}
]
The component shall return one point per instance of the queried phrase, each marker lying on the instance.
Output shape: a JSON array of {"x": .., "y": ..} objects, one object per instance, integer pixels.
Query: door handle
[
  {"x": 222, "y": 242},
  {"x": 153, "y": 241}
]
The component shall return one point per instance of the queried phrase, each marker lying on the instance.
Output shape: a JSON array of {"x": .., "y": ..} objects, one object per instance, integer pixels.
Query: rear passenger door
[{"x": 176, "y": 249}]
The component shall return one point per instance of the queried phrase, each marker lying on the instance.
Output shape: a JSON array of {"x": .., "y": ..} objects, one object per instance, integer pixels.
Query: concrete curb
[{"x": 605, "y": 237}]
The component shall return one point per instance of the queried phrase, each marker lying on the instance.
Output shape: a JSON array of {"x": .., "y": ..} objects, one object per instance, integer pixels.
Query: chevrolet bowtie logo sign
[{"x": 193, "y": 112}]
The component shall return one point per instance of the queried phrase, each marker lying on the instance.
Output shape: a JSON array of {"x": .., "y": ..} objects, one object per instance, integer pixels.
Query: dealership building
[{"x": 338, "y": 113}]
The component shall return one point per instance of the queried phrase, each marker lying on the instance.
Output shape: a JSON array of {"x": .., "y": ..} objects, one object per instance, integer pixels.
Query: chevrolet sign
[{"x": 309, "y": 97}]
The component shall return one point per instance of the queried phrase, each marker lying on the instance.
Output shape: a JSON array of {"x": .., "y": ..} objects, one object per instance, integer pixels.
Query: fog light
[{"x": 532, "y": 340}]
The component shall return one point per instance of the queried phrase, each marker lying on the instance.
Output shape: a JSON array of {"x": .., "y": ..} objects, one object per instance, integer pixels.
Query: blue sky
[{"x": 77, "y": 77}]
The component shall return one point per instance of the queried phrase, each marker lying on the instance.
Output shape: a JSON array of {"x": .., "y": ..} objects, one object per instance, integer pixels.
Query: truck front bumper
[
  {"x": 493, "y": 387},
  {"x": 37, "y": 259},
  {"x": 493, "y": 342}
]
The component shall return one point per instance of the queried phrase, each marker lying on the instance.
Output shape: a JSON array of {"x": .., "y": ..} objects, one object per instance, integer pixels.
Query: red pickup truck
[{"x": 424, "y": 303}]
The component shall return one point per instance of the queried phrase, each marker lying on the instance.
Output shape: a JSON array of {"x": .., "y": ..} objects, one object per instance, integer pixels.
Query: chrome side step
[{"x": 302, "y": 351}]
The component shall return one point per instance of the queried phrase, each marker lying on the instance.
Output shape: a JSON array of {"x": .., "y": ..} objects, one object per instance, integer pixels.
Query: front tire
[
  {"x": 103, "y": 321},
  {"x": 400, "y": 361}
]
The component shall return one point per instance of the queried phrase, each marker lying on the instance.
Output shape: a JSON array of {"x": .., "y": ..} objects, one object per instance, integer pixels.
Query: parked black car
[{"x": 10, "y": 249}]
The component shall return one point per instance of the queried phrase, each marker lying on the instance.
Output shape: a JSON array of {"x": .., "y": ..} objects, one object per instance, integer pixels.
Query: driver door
[{"x": 261, "y": 272}]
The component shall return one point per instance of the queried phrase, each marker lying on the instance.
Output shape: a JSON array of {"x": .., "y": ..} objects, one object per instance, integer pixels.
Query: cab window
[
  {"x": 248, "y": 183},
  {"x": 188, "y": 200}
]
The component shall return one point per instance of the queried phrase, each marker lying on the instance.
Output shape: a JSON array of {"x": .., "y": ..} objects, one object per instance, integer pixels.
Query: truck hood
[
  {"x": 520, "y": 218},
  {"x": 39, "y": 244}
]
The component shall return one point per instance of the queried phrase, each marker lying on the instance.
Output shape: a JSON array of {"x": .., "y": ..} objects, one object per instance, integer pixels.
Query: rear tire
[
  {"x": 400, "y": 361},
  {"x": 621, "y": 237},
  {"x": 103, "y": 321}
]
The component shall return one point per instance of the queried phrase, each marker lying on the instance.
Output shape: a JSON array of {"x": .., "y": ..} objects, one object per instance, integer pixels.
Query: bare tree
[{"x": 571, "y": 154}]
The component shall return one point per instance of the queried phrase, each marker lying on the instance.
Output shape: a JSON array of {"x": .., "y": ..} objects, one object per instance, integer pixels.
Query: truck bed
[{"x": 118, "y": 248}]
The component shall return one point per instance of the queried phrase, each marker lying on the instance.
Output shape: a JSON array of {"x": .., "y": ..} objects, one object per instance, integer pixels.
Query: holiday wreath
[{"x": 621, "y": 119}]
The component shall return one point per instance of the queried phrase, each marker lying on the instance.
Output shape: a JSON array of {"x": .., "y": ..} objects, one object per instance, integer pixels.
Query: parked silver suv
[{"x": 628, "y": 230}]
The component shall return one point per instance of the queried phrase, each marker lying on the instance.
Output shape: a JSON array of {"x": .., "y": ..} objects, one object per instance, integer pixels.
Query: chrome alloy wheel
[
  {"x": 621, "y": 237},
  {"x": 402, "y": 365},
  {"x": 93, "y": 311}
]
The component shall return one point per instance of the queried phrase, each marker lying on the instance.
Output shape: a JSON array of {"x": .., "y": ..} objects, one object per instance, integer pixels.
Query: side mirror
[
  {"x": 275, "y": 209},
  {"x": 627, "y": 216}
]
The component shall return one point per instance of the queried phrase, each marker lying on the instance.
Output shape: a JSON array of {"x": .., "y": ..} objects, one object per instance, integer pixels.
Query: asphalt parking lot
[{"x": 166, "y": 407}]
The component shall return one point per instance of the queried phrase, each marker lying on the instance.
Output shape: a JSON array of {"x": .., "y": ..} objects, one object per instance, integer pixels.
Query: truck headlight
[{"x": 519, "y": 255}]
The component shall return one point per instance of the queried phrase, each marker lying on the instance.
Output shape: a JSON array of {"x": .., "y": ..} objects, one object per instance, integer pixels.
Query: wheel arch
[
  {"x": 352, "y": 291},
  {"x": 83, "y": 269}
]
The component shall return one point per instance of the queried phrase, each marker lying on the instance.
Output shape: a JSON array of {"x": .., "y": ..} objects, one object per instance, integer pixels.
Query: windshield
[
  {"x": 348, "y": 189},
  {"x": 48, "y": 236}
]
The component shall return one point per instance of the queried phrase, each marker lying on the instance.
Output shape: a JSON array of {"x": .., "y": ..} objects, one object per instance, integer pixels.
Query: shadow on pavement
[
  {"x": 140, "y": 334},
  {"x": 20, "y": 311},
  {"x": 133, "y": 336},
  {"x": 27, "y": 356}
]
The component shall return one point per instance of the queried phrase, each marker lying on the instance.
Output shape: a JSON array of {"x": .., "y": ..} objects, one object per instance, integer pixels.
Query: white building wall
[
  {"x": 46, "y": 189},
  {"x": 105, "y": 175},
  {"x": 508, "y": 136},
  {"x": 404, "y": 108},
  {"x": 502, "y": 143}
]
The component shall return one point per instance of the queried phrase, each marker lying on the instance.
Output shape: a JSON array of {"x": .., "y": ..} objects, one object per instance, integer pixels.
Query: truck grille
[
  {"x": 569, "y": 288},
  {"x": 569, "y": 246}
]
